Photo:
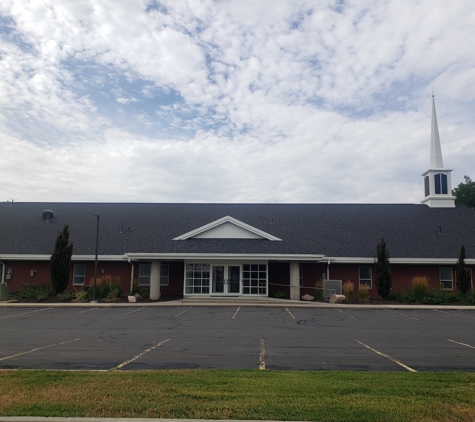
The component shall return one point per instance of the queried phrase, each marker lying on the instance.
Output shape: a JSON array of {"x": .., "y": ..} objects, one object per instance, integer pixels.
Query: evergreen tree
[
  {"x": 60, "y": 261},
  {"x": 463, "y": 274},
  {"x": 383, "y": 272}
]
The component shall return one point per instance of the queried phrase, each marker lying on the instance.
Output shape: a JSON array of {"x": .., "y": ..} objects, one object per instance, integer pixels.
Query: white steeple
[
  {"x": 435, "y": 151},
  {"x": 437, "y": 180}
]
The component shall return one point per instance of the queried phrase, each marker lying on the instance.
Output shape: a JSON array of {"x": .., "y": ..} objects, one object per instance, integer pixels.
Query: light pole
[{"x": 95, "y": 261}]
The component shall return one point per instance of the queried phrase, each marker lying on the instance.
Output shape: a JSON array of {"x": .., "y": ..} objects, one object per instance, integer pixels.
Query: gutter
[
  {"x": 3, "y": 272},
  {"x": 131, "y": 274}
]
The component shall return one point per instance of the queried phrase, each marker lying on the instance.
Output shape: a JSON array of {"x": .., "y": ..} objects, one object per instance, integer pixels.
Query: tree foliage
[
  {"x": 465, "y": 192},
  {"x": 463, "y": 273},
  {"x": 383, "y": 272},
  {"x": 60, "y": 261}
]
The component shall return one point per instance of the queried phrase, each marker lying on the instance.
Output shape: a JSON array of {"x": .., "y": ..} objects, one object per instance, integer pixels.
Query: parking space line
[
  {"x": 451, "y": 313},
  {"x": 463, "y": 344},
  {"x": 38, "y": 348},
  {"x": 339, "y": 310},
  {"x": 386, "y": 356},
  {"x": 136, "y": 310},
  {"x": 235, "y": 313},
  {"x": 290, "y": 313},
  {"x": 262, "y": 355},
  {"x": 404, "y": 315},
  {"x": 87, "y": 310},
  {"x": 25, "y": 313},
  {"x": 182, "y": 312},
  {"x": 139, "y": 355}
]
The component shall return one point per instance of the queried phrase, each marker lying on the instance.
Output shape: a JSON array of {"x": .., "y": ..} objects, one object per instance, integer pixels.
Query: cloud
[{"x": 274, "y": 101}]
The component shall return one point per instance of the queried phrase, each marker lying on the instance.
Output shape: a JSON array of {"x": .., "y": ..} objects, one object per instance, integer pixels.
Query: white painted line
[
  {"x": 290, "y": 313},
  {"x": 38, "y": 348},
  {"x": 262, "y": 356},
  {"x": 139, "y": 355},
  {"x": 136, "y": 310},
  {"x": 87, "y": 310},
  {"x": 404, "y": 315},
  {"x": 339, "y": 310},
  {"x": 235, "y": 313},
  {"x": 25, "y": 313},
  {"x": 182, "y": 312},
  {"x": 64, "y": 316},
  {"x": 386, "y": 356},
  {"x": 463, "y": 344},
  {"x": 449, "y": 313}
]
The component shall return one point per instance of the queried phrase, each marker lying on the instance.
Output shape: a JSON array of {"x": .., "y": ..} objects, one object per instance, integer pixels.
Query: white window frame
[
  {"x": 365, "y": 281},
  {"x": 442, "y": 281},
  {"x": 76, "y": 274},
  {"x": 144, "y": 278},
  {"x": 164, "y": 278}
]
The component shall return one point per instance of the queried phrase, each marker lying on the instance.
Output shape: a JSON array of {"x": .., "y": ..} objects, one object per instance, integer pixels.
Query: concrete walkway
[{"x": 233, "y": 301}]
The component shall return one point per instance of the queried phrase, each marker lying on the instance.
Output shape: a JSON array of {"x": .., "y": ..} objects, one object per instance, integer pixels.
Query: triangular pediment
[{"x": 227, "y": 228}]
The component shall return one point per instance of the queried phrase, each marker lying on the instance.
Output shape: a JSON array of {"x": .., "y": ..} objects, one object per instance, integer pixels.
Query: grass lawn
[{"x": 216, "y": 394}]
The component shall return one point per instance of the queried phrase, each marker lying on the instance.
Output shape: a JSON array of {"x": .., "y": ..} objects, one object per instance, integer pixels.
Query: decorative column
[
  {"x": 294, "y": 281},
  {"x": 155, "y": 280}
]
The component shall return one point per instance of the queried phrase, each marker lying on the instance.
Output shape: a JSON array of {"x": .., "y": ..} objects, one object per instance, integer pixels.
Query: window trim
[
  {"x": 451, "y": 278},
  {"x": 370, "y": 284},
  {"x": 75, "y": 275}
]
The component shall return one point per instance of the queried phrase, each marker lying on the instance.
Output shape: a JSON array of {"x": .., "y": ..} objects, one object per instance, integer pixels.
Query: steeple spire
[
  {"x": 435, "y": 150},
  {"x": 437, "y": 180}
]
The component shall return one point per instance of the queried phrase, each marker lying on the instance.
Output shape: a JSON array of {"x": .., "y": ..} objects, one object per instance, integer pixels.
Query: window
[
  {"x": 79, "y": 274},
  {"x": 144, "y": 274},
  {"x": 365, "y": 276},
  {"x": 164, "y": 272},
  {"x": 446, "y": 278},
  {"x": 301, "y": 275},
  {"x": 440, "y": 184},
  {"x": 197, "y": 279},
  {"x": 254, "y": 279}
]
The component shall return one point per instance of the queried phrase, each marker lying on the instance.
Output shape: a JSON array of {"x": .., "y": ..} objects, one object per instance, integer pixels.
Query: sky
[{"x": 255, "y": 101}]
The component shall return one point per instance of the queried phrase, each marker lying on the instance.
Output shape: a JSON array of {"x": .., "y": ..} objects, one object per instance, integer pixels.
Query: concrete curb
[{"x": 269, "y": 303}]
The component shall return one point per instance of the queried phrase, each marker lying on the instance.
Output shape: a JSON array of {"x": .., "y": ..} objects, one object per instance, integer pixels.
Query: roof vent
[{"x": 47, "y": 215}]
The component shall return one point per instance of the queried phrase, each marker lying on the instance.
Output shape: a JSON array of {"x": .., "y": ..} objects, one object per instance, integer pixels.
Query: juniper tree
[
  {"x": 383, "y": 272},
  {"x": 463, "y": 274},
  {"x": 60, "y": 261}
]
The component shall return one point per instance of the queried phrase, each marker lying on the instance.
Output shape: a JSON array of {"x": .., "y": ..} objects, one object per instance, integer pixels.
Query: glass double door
[{"x": 226, "y": 279}]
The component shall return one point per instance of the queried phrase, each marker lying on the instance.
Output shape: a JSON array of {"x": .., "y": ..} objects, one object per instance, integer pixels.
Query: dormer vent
[{"x": 47, "y": 215}]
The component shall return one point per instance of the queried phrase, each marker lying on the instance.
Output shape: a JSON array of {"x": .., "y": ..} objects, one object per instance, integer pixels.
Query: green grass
[{"x": 215, "y": 394}]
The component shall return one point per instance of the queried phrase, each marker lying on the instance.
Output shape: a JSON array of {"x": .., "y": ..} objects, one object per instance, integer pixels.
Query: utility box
[{"x": 4, "y": 292}]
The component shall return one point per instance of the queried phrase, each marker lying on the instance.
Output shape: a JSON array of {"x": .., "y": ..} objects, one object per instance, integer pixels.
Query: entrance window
[
  {"x": 254, "y": 279},
  {"x": 197, "y": 279},
  {"x": 164, "y": 274}
]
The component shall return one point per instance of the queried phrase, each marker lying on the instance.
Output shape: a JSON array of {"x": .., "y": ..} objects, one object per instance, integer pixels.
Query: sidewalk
[{"x": 234, "y": 302}]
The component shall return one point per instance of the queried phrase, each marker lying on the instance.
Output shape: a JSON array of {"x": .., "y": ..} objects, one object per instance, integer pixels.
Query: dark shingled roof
[{"x": 334, "y": 230}]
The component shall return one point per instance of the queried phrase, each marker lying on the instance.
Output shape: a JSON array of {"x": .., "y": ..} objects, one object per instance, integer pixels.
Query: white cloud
[{"x": 246, "y": 101}]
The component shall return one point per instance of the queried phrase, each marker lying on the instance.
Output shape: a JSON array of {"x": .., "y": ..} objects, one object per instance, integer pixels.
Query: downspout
[
  {"x": 3, "y": 272},
  {"x": 131, "y": 274},
  {"x": 328, "y": 270}
]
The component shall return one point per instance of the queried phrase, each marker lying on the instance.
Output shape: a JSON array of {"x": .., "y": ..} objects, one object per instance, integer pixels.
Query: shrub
[
  {"x": 113, "y": 294},
  {"x": 280, "y": 295},
  {"x": 349, "y": 290},
  {"x": 34, "y": 292},
  {"x": 104, "y": 285},
  {"x": 363, "y": 293},
  {"x": 80, "y": 296},
  {"x": 65, "y": 296},
  {"x": 420, "y": 288},
  {"x": 319, "y": 290}
]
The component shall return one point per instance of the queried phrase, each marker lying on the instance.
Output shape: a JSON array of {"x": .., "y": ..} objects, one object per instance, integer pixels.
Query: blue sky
[{"x": 232, "y": 101}]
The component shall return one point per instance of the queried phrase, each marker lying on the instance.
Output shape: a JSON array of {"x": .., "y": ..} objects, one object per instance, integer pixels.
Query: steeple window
[
  {"x": 426, "y": 186},
  {"x": 440, "y": 180}
]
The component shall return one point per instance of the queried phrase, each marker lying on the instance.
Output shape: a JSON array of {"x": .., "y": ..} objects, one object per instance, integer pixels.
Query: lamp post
[{"x": 95, "y": 261}]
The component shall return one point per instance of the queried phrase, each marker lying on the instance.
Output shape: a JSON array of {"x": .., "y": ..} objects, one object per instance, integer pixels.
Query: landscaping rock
[
  {"x": 132, "y": 299},
  {"x": 307, "y": 297},
  {"x": 337, "y": 298},
  {"x": 138, "y": 296}
]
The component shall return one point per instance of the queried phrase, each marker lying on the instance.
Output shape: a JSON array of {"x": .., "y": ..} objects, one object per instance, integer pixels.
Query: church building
[{"x": 245, "y": 250}]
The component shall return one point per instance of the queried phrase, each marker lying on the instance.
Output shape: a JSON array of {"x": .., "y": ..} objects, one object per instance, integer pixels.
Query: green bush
[
  {"x": 65, "y": 296},
  {"x": 104, "y": 285},
  {"x": 80, "y": 296},
  {"x": 113, "y": 294},
  {"x": 34, "y": 292},
  {"x": 280, "y": 295},
  {"x": 363, "y": 293}
]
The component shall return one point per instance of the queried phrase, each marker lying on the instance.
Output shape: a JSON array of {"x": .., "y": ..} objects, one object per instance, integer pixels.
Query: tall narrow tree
[
  {"x": 60, "y": 261},
  {"x": 463, "y": 273},
  {"x": 383, "y": 271}
]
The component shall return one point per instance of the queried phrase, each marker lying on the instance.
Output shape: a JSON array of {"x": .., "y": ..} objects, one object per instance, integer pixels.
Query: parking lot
[{"x": 236, "y": 338}]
